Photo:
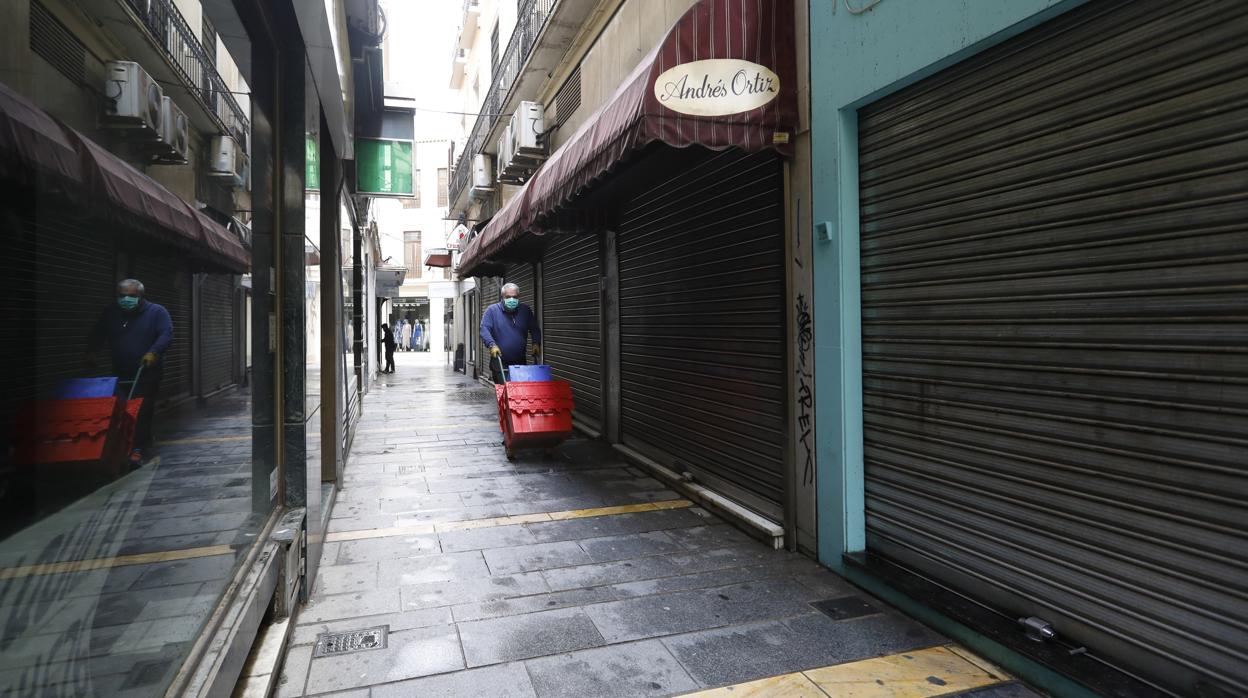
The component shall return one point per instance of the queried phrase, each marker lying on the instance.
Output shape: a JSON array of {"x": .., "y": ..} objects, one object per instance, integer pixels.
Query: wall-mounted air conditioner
[
  {"x": 227, "y": 160},
  {"x": 503, "y": 160},
  {"x": 174, "y": 146},
  {"x": 483, "y": 172},
  {"x": 528, "y": 124},
  {"x": 134, "y": 98}
]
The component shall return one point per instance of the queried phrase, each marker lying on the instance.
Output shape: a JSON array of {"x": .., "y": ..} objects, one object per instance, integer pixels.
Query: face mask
[
  {"x": 511, "y": 303},
  {"x": 128, "y": 302}
]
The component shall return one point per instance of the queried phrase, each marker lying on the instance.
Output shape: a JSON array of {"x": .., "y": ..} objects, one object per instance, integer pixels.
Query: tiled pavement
[{"x": 658, "y": 602}]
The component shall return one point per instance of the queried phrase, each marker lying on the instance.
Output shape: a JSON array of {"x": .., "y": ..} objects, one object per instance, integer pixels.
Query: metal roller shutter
[
  {"x": 1055, "y": 354},
  {"x": 702, "y": 318},
  {"x": 521, "y": 274},
  {"x": 572, "y": 319},
  {"x": 167, "y": 281},
  {"x": 217, "y": 325},
  {"x": 62, "y": 276}
]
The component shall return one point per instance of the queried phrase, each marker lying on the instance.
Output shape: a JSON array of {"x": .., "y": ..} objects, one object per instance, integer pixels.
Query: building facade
[{"x": 654, "y": 237}]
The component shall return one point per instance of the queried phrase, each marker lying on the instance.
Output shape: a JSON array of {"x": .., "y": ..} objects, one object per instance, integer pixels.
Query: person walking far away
[
  {"x": 138, "y": 333},
  {"x": 387, "y": 340},
  {"x": 505, "y": 327}
]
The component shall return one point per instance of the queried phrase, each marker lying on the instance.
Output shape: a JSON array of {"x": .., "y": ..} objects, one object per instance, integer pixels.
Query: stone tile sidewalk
[{"x": 575, "y": 575}]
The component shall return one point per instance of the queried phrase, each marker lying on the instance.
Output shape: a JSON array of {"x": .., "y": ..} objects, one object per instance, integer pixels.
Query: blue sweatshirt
[
  {"x": 508, "y": 330},
  {"x": 131, "y": 335}
]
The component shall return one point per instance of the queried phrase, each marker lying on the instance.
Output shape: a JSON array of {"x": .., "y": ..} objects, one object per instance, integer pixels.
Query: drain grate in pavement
[
  {"x": 844, "y": 608},
  {"x": 332, "y": 644}
]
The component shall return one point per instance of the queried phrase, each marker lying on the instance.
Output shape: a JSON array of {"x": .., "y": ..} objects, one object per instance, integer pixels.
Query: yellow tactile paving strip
[
  {"x": 935, "y": 671},
  {"x": 424, "y": 529},
  {"x": 110, "y": 562}
]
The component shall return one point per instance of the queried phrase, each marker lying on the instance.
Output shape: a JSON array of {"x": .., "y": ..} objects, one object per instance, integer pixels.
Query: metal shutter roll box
[
  {"x": 702, "y": 318},
  {"x": 1055, "y": 350},
  {"x": 572, "y": 319}
]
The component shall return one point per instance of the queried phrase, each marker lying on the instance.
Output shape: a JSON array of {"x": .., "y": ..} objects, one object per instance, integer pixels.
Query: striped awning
[{"x": 724, "y": 76}]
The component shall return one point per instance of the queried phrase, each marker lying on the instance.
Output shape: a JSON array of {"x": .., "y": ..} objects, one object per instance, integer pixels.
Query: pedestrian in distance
[
  {"x": 387, "y": 341},
  {"x": 138, "y": 333},
  {"x": 505, "y": 329}
]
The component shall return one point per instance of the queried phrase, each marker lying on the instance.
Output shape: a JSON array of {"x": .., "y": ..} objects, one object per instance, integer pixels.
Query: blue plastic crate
[
  {"x": 72, "y": 388},
  {"x": 539, "y": 372}
]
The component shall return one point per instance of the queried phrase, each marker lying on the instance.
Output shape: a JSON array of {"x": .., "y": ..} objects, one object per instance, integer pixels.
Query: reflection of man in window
[{"x": 138, "y": 333}]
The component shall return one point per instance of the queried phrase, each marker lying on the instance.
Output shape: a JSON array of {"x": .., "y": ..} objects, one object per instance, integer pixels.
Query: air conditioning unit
[
  {"x": 528, "y": 126},
  {"x": 482, "y": 173},
  {"x": 174, "y": 146},
  {"x": 227, "y": 160},
  {"x": 503, "y": 159},
  {"x": 135, "y": 100}
]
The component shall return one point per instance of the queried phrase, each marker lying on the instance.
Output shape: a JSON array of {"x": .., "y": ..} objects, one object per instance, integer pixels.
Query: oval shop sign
[{"x": 716, "y": 87}]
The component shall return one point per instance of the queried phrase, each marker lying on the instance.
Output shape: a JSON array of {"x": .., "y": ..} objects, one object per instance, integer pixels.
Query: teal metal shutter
[
  {"x": 1055, "y": 351},
  {"x": 702, "y": 318},
  {"x": 572, "y": 319}
]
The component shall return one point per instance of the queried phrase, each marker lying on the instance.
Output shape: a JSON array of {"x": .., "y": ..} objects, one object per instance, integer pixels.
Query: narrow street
[{"x": 574, "y": 575}]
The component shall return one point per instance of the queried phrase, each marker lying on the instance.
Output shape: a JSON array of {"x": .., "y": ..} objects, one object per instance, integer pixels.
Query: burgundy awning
[
  {"x": 35, "y": 151},
  {"x": 130, "y": 199},
  {"x": 712, "y": 82},
  {"x": 38, "y": 151},
  {"x": 439, "y": 260}
]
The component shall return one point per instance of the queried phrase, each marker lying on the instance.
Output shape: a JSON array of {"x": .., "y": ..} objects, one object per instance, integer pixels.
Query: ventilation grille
[
  {"x": 568, "y": 99},
  {"x": 54, "y": 43}
]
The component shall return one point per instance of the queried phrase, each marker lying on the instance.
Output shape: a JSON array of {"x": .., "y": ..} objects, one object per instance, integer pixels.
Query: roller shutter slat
[
  {"x": 1054, "y": 251},
  {"x": 702, "y": 318}
]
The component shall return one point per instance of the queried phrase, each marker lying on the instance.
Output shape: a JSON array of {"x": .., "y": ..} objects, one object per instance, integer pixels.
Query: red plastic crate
[
  {"x": 539, "y": 408},
  {"x": 70, "y": 431}
]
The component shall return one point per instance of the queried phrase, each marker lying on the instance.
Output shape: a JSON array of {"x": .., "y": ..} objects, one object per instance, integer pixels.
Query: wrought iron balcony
[
  {"x": 529, "y": 25},
  {"x": 192, "y": 63}
]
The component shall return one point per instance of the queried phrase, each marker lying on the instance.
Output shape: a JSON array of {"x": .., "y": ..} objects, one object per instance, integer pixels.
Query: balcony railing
[
  {"x": 529, "y": 24},
  {"x": 196, "y": 68}
]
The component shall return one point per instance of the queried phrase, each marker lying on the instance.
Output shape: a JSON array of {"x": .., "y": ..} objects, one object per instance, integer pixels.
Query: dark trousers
[
  {"x": 389, "y": 359},
  {"x": 495, "y": 373},
  {"x": 149, "y": 390}
]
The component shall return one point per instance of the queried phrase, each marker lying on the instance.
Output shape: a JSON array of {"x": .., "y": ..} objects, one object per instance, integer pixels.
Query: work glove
[
  {"x": 495, "y": 351},
  {"x": 149, "y": 360},
  {"x": 537, "y": 350}
]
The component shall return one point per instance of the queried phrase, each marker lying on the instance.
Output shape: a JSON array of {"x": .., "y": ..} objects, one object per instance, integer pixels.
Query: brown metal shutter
[
  {"x": 1055, "y": 350},
  {"x": 61, "y": 278},
  {"x": 702, "y": 316},
  {"x": 167, "y": 281},
  {"x": 572, "y": 320},
  {"x": 522, "y": 275},
  {"x": 217, "y": 325}
]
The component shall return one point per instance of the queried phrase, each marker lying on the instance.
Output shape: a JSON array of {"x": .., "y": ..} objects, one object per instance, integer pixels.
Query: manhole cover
[
  {"x": 328, "y": 644},
  {"x": 844, "y": 608}
]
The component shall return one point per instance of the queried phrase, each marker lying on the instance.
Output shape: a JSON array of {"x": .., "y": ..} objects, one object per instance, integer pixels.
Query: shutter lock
[{"x": 1038, "y": 629}]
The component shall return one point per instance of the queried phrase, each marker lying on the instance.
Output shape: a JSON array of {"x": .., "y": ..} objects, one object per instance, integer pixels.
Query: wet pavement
[{"x": 569, "y": 575}]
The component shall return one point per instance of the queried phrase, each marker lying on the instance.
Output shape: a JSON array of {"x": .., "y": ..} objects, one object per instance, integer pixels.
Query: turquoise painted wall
[{"x": 855, "y": 59}]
